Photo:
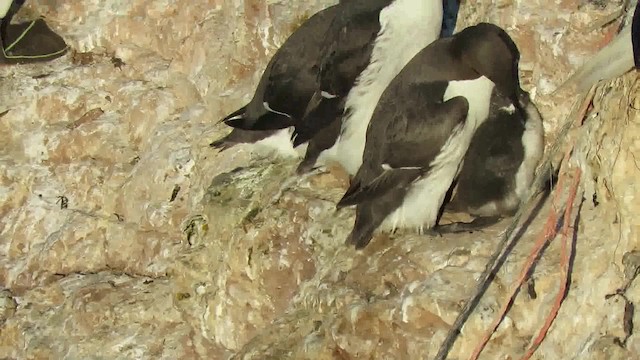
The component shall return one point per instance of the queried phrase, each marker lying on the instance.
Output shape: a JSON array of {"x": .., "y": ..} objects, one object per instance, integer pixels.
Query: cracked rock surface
[{"x": 167, "y": 249}]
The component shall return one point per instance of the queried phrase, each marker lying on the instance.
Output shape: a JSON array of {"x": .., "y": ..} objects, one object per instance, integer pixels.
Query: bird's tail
[
  {"x": 223, "y": 143},
  {"x": 612, "y": 61},
  {"x": 390, "y": 178},
  {"x": 360, "y": 237},
  {"x": 238, "y": 114},
  {"x": 366, "y": 223},
  {"x": 239, "y": 136}
]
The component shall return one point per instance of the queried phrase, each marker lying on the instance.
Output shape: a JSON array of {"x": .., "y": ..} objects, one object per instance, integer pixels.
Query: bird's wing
[
  {"x": 348, "y": 45},
  {"x": 289, "y": 79},
  {"x": 302, "y": 48},
  {"x": 344, "y": 55},
  {"x": 412, "y": 139},
  {"x": 415, "y": 132}
]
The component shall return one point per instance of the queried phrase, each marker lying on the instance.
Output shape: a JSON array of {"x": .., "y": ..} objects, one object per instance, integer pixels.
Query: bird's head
[{"x": 489, "y": 51}]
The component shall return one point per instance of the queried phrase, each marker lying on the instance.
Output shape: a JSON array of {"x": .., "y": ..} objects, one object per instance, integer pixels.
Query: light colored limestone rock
[{"x": 168, "y": 249}]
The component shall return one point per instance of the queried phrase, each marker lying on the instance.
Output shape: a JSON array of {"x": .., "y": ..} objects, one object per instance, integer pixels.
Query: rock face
[{"x": 123, "y": 235}]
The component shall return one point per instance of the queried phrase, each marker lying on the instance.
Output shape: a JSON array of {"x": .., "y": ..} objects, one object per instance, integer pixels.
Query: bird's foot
[
  {"x": 308, "y": 168},
  {"x": 221, "y": 144},
  {"x": 477, "y": 225}
]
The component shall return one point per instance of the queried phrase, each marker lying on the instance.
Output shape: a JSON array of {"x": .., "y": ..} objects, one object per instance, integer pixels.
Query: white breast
[
  {"x": 533, "y": 143},
  {"x": 4, "y": 7},
  {"x": 422, "y": 203},
  {"x": 407, "y": 26},
  {"x": 280, "y": 143}
]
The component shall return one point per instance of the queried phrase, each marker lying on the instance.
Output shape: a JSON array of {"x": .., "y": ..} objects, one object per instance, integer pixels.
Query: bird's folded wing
[
  {"x": 408, "y": 146},
  {"x": 345, "y": 54}
]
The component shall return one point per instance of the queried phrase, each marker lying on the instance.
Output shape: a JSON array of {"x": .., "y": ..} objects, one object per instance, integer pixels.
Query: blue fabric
[{"x": 450, "y": 16}]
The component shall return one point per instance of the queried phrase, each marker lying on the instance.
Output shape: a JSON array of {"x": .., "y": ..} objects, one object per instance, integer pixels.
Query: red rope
[
  {"x": 567, "y": 242},
  {"x": 549, "y": 231}
]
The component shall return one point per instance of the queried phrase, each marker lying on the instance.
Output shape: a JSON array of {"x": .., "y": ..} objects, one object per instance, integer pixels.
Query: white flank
[
  {"x": 533, "y": 143},
  {"x": 407, "y": 26},
  {"x": 280, "y": 142},
  {"x": 422, "y": 203},
  {"x": 4, "y": 7}
]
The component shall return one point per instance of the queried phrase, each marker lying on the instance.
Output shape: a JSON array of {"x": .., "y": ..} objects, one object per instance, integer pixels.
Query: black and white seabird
[
  {"x": 8, "y": 8},
  {"x": 423, "y": 125},
  {"x": 368, "y": 45},
  {"x": 286, "y": 85},
  {"x": 499, "y": 166},
  {"x": 615, "y": 59}
]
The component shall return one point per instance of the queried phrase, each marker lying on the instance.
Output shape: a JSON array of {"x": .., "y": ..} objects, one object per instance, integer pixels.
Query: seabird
[
  {"x": 499, "y": 166},
  {"x": 615, "y": 59},
  {"x": 8, "y": 8},
  {"x": 379, "y": 30},
  {"x": 286, "y": 85},
  {"x": 423, "y": 126},
  {"x": 28, "y": 41},
  {"x": 368, "y": 45}
]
